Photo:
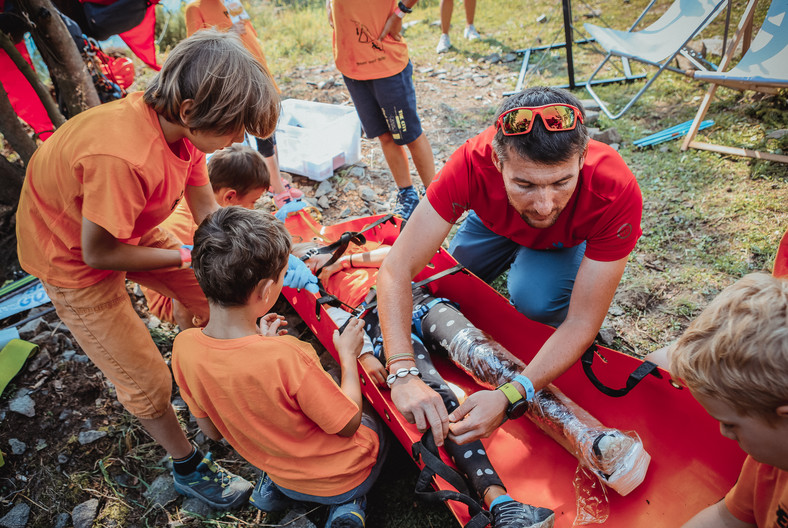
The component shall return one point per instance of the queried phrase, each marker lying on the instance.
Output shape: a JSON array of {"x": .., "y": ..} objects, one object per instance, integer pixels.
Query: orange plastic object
[{"x": 692, "y": 465}]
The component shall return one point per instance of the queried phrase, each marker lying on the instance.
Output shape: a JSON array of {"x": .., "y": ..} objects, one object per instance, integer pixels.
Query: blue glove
[
  {"x": 290, "y": 207},
  {"x": 299, "y": 276}
]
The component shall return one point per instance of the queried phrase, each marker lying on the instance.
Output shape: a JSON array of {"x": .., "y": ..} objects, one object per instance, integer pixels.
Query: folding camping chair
[
  {"x": 656, "y": 45},
  {"x": 763, "y": 68}
]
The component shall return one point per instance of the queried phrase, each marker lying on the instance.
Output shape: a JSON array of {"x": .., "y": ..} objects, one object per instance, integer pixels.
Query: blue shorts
[
  {"x": 540, "y": 282},
  {"x": 387, "y": 105}
]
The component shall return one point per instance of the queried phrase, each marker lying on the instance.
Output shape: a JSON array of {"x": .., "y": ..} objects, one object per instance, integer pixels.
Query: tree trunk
[
  {"x": 43, "y": 94},
  {"x": 61, "y": 56},
  {"x": 12, "y": 175},
  {"x": 13, "y": 131}
]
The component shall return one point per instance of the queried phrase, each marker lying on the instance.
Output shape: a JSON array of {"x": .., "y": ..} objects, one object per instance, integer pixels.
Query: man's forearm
[{"x": 395, "y": 306}]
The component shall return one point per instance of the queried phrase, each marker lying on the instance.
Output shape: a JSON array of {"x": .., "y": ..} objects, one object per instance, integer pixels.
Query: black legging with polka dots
[{"x": 471, "y": 459}]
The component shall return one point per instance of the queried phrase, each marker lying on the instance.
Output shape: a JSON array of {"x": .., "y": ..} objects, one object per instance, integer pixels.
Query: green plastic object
[{"x": 12, "y": 358}]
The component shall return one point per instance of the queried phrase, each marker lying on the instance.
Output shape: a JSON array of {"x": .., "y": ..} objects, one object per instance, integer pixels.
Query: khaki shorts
[{"x": 104, "y": 323}]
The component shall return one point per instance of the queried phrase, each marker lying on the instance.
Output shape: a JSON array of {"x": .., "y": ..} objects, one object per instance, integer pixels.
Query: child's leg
[
  {"x": 396, "y": 159},
  {"x": 423, "y": 159},
  {"x": 105, "y": 325}
]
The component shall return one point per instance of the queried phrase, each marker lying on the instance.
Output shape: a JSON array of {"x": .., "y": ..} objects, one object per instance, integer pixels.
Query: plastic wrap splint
[{"x": 617, "y": 458}]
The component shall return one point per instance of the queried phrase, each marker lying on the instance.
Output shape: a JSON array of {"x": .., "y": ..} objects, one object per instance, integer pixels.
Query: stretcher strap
[
  {"x": 645, "y": 368},
  {"x": 439, "y": 275},
  {"x": 419, "y": 314},
  {"x": 340, "y": 246},
  {"x": 433, "y": 465}
]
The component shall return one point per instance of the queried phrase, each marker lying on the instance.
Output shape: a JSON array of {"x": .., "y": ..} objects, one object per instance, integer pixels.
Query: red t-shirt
[{"x": 604, "y": 210}]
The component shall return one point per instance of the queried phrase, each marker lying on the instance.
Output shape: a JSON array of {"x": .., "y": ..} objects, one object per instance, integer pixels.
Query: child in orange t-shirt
[
  {"x": 93, "y": 198},
  {"x": 239, "y": 176},
  {"x": 734, "y": 359},
  {"x": 265, "y": 392},
  {"x": 230, "y": 15},
  {"x": 373, "y": 59}
]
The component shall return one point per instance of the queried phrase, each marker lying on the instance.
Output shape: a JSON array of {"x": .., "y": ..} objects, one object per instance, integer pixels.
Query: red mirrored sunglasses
[{"x": 557, "y": 117}]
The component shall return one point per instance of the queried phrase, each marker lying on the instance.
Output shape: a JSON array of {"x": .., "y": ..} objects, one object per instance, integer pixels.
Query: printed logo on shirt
[
  {"x": 624, "y": 231},
  {"x": 781, "y": 517},
  {"x": 365, "y": 37},
  {"x": 558, "y": 245}
]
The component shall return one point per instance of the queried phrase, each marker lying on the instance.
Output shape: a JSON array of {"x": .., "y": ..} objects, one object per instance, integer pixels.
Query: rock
[
  {"x": 481, "y": 82},
  {"x": 17, "y": 517},
  {"x": 592, "y": 116},
  {"x": 23, "y": 405},
  {"x": 64, "y": 414},
  {"x": 615, "y": 310},
  {"x": 492, "y": 58},
  {"x": 81, "y": 358},
  {"x": 509, "y": 57},
  {"x": 777, "y": 134},
  {"x": 541, "y": 19},
  {"x": 61, "y": 520},
  {"x": 345, "y": 212},
  {"x": 84, "y": 514},
  {"x": 664, "y": 149},
  {"x": 196, "y": 507},
  {"x": 68, "y": 355},
  {"x": 41, "y": 360},
  {"x": 33, "y": 328},
  {"x": 608, "y": 136},
  {"x": 88, "y": 437},
  {"x": 607, "y": 335},
  {"x": 311, "y": 201},
  {"x": 161, "y": 491},
  {"x": 62, "y": 458},
  {"x": 590, "y": 104},
  {"x": 427, "y": 69},
  {"x": 324, "y": 188},
  {"x": 323, "y": 202},
  {"x": 714, "y": 46},
  {"x": 594, "y": 13},
  {"x": 350, "y": 187},
  {"x": 154, "y": 322},
  {"x": 296, "y": 518},
  {"x": 615, "y": 146},
  {"x": 367, "y": 194},
  {"x": 17, "y": 446}
]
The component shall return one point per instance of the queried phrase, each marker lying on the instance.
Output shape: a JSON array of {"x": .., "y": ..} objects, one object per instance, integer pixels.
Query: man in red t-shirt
[{"x": 561, "y": 211}]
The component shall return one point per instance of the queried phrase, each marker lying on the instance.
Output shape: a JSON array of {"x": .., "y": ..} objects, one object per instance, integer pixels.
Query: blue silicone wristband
[{"x": 527, "y": 385}]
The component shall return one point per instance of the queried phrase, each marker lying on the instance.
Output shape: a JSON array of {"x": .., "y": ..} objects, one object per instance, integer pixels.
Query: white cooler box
[{"x": 314, "y": 139}]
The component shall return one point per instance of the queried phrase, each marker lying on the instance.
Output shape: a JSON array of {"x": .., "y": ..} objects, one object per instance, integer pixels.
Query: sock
[
  {"x": 188, "y": 464},
  {"x": 500, "y": 500}
]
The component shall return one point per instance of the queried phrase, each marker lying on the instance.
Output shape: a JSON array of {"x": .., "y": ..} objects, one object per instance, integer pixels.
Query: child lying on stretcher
[{"x": 351, "y": 279}]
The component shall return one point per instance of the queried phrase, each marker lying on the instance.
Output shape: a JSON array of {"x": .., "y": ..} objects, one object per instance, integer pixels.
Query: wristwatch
[{"x": 517, "y": 403}]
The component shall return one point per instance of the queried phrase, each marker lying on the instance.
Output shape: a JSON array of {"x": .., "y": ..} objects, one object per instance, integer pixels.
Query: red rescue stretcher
[{"x": 692, "y": 465}]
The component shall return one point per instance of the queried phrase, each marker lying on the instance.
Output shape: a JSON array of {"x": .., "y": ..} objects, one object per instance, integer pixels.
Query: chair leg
[{"x": 704, "y": 107}]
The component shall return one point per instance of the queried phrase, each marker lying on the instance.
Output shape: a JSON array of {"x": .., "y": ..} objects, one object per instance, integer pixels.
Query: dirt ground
[{"x": 55, "y": 472}]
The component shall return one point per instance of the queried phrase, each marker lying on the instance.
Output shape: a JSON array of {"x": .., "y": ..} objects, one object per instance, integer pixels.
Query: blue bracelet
[{"x": 527, "y": 385}]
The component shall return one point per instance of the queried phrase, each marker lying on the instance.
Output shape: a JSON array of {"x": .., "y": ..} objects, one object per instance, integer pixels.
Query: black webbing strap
[
  {"x": 645, "y": 368},
  {"x": 433, "y": 465},
  {"x": 339, "y": 247}
]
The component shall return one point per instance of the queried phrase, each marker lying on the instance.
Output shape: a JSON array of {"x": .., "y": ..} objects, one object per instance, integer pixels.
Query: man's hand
[
  {"x": 478, "y": 416},
  {"x": 393, "y": 27},
  {"x": 421, "y": 405}
]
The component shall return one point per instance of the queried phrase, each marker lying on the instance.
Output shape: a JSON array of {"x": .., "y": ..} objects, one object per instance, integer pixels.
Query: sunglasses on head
[{"x": 557, "y": 117}]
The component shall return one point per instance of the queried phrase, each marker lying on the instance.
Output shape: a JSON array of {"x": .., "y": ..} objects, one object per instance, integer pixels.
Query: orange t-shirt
[
  {"x": 180, "y": 224},
  {"x": 112, "y": 165},
  {"x": 351, "y": 286},
  {"x": 274, "y": 403},
  {"x": 781, "y": 260},
  {"x": 357, "y": 51},
  {"x": 202, "y": 14},
  {"x": 760, "y": 496}
]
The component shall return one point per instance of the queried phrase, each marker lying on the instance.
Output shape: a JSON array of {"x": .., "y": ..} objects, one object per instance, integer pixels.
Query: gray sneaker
[
  {"x": 513, "y": 514},
  {"x": 444, "y": 44},
  {"x": 213, "y": 485}
]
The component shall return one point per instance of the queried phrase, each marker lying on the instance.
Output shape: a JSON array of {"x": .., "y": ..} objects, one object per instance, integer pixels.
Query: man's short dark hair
[
  {"x": 540, "y": 145},
  {"x": 234, "y": 249},
  {"x": 238, "y": 167}
]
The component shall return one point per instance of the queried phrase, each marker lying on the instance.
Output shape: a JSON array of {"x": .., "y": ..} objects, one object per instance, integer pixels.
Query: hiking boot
[
  {"x": 444, "y": 44},
  {"x": 471, "y": 33},
  {"x": 348, "y": 515},
  {"x": 267, "y": 497},
  {"x": 513, "y": 514},
  {"x": 407, "y": 200},
  {"x": 295, "y": 193},
  {"x": 213, "y": 485},
  {"x": 282, "y": 198}
]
